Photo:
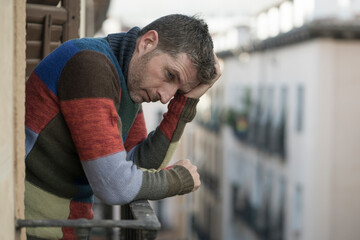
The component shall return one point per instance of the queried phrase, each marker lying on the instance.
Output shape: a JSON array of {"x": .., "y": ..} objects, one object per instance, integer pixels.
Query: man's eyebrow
[{"x": 177, "y": 74}]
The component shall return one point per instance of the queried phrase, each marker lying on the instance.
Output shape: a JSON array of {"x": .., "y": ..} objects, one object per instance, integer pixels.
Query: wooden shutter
[{"x": 49, "y": 23}]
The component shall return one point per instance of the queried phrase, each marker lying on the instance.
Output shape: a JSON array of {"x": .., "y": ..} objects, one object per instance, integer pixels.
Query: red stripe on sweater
[
  {"x": 94, "y": 125},
  {"x": 77, "y": 210},
  {"x": 42, "y": 105},
  {"x": 137, "y": 132},
  {"x": 169, "y": 123}
]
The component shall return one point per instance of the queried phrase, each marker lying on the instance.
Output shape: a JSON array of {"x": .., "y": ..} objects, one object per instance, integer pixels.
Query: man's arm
[
  {"x": 89, "y": 96},
  {"x": 156, "y": 150}
]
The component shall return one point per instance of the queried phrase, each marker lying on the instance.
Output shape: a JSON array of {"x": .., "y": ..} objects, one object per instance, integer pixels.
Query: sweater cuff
[
  {"x": 187, "y": 182},
  {"x": 185, "y": 106},
  {"x": 190, "y": 109}
]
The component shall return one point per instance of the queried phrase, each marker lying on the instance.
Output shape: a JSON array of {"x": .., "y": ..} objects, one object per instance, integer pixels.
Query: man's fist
[{"x": 193, "y": 171}]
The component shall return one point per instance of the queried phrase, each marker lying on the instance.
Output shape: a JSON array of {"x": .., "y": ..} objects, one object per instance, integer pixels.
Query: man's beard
[
  {"x": 134, "y": 80},
  {"x": 136, "y": 75}
]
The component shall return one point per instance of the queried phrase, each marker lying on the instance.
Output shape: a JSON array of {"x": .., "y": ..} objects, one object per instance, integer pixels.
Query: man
[{"x": 85, "y": 130}]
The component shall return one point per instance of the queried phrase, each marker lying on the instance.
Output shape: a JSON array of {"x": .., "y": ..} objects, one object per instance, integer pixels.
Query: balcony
[{"x": 138, "y": 221}]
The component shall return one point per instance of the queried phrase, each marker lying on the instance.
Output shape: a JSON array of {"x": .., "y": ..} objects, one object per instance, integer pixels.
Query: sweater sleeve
[
  {"x": 89, "y": 94},
  {"x": 155, "y": 151}
]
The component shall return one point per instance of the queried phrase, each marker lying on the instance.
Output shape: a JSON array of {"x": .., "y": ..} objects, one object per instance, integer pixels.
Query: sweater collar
[{"x": 123, "y": 45}]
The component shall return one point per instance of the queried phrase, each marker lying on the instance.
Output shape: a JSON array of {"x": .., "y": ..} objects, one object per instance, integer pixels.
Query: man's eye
[{"x": 170, "y": 76}]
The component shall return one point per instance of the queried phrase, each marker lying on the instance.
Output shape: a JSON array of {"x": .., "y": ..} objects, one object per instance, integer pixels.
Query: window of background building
[
  {"x": 298, "y": 210},
  {"x": 299, "y": 108}
]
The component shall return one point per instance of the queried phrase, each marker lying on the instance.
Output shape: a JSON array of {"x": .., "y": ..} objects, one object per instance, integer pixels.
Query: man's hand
[
  {"x": 193, "y": 171},
  {"x": 199, "y": 90}
]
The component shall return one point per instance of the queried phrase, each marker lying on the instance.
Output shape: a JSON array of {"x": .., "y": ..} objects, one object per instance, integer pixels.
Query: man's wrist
[{"x": 187, "y": 105}]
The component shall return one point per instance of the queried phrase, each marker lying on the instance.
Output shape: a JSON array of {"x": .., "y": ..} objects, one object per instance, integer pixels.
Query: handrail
[{"x": 137, "y": 215}]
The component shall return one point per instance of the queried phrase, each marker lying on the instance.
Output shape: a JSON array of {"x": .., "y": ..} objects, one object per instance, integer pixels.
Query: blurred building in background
[{"x": 277, "y": 140}]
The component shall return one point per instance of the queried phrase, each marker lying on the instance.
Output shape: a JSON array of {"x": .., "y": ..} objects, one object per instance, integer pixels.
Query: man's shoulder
[
  {"x": 96, "y": 44},
  {"x": 66, "y": 51},
  {"x": 99, "y": 45},
  {"x": 57, "y": 60},
  {"x": 74, "y": 46}
]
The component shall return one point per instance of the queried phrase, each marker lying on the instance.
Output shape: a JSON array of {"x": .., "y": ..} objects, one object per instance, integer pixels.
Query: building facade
[{"x": 276, "y": 138}]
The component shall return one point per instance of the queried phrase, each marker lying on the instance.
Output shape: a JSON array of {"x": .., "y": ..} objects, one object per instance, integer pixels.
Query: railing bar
[
  {"x": 82, "y": 223},
  {"x": 141, "y": 210}
]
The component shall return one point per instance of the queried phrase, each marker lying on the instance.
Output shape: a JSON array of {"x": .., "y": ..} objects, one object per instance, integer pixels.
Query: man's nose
[{"x": 167, "y": 92}]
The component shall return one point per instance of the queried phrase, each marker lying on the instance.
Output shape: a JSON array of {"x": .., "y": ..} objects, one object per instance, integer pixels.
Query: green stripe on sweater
[{"x": 49, "y": 207}]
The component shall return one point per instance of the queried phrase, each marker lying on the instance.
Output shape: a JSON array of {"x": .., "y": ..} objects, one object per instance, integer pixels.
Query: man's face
[{"x": 157, "y": 76}]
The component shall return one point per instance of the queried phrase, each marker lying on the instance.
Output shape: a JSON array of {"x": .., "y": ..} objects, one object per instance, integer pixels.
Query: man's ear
[{"x": 148, "y": 42}]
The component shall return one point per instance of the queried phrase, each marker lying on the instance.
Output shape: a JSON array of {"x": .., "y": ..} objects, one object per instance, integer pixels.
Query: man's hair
[{"x": 184, "y": 34}]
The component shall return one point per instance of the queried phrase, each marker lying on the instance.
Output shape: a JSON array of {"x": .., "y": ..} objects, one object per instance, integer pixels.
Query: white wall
[
  {"x": 6, "y": 120},
  {"x": 346, "y": 137},
  {"x": 12, "y": 112}
]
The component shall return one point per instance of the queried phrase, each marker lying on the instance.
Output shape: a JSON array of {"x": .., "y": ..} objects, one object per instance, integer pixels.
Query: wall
[
  {"x": 19, "y": 110},
  {"x": 6, "y": 120},
  {"x": 346, "y": 167},
  {"x": 12, "y": 97}
]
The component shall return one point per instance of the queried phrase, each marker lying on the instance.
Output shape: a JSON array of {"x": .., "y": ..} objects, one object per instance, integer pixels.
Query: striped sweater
[{"x": 85, "y": 136}]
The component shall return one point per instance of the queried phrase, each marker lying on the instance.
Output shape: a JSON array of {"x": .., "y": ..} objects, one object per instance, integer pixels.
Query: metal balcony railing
[{"x": 138, "y": 221}]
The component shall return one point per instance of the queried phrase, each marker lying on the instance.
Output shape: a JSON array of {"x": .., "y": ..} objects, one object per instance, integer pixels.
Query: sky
[{"x": 216, "y": 13}]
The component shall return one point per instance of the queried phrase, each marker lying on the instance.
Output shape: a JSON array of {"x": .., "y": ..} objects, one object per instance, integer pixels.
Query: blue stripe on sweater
[
  {"x": 30, "y": 139},
  {"x": 49, "y": 69},
  {"x": 99, "y": 45}
]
